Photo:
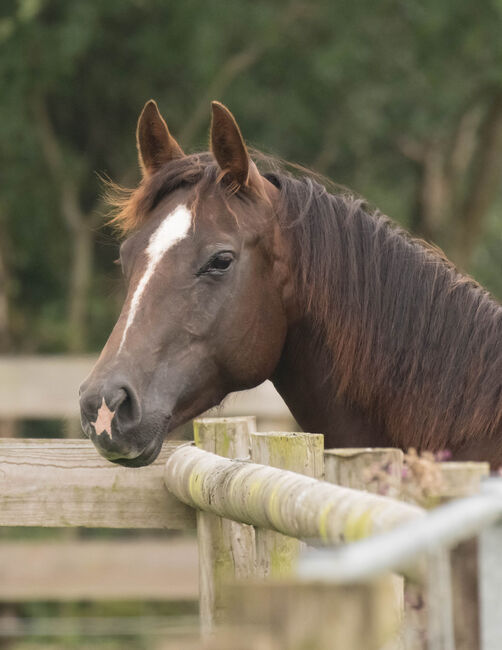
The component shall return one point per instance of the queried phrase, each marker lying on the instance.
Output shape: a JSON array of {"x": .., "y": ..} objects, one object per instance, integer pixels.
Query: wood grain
[
  {"x": 276, "y": 554},
  {"x": 61, "y": 483},
  {"x": 289, "y": 503},
  {"x": 226, "y": 548}
]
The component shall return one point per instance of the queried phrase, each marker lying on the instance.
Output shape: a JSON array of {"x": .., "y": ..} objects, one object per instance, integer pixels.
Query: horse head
[{"x": 206, "y": 308}]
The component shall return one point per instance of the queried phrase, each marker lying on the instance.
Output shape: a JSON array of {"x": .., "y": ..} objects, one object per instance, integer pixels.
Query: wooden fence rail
[
  {"x": 287, "y": 502},
  {"x": 44, "y": 386},
  {"x": 59, "y": 483},
  {"x": 66, "y": 483},
  {"x": 74, "y": 569}
]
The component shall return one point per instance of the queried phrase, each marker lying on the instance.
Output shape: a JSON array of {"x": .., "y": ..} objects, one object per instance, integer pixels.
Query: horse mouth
[{"x": 146, "y": 457}]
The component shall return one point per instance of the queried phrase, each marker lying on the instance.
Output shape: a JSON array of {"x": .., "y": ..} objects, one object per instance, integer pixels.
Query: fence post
[
  {"x": 458, "y": 566},
  {"x": 277, "y": 554},
  {"x": 490, "y": 576},
  {"x": 463, "y": 479},
  {"x": 377, "y": 470},
  {"x": 298, "y": 615},
  {"x": 226, "y": 548}
]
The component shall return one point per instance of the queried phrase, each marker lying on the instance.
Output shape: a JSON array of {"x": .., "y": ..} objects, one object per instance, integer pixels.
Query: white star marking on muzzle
[
  {"x": 173, "y": 229},
  {"x": 104, "y": 420}
]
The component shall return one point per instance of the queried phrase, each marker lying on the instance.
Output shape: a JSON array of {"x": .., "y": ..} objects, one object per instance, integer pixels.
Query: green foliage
[
  {"x": 76, "y": 612},
  {"x": 340, "y": 86}
]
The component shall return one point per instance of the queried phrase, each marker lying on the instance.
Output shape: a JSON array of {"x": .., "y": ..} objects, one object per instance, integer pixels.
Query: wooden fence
[
  {"x": 254, "y": 511},
  {"x": 99, "y": 570},
  {"x": 46, "y": 387}
]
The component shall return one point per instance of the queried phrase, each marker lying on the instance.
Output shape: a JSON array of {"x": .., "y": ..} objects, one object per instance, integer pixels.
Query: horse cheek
[{"x": 259, "y": 350}]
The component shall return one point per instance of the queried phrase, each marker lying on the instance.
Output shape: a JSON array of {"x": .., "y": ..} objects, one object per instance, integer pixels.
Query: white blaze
[{"x": 173, "y": 229}]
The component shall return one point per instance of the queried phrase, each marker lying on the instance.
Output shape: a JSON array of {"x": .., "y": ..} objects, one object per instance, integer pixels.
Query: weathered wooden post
[
  {"x": 463, "y": 479},
  {"x": 377, "y": 470},
  {"x": 226, "y": 548},
  {"x": 490, "y": 576},
  {"x": 277, "y": 554},
  {"x": 450, "y": 614},
  {"x": 268, "y": 497},
  {"x": 293, "y": 615}
]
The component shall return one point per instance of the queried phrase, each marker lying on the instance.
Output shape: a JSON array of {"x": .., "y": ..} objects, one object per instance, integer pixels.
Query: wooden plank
[
  {"x": 164, "y": 569},
  {"x": 66, "y": 483},
  {"x": 41, "y": 386},
  {"x": 47, "y": 387}
]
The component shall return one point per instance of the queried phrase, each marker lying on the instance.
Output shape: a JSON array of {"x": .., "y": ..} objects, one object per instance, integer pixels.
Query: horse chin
[{"x": 146, "y": 457}]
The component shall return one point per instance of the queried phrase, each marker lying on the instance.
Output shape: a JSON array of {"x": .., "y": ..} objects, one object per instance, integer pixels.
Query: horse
[{"x": 240, "y": 269}]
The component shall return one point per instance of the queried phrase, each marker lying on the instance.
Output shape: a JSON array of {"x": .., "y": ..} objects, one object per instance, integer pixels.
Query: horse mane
[{"x": 415, "y": 344}]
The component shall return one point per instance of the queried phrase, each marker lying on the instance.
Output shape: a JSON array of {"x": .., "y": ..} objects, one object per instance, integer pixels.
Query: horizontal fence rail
[
  {"x": 41, "y": 387},
  {"x": 60, "y": 483},
  {"x": 129, "y": 569},
  {"x": 287, "y": 502},
  {"x": 398, "y": 549}
]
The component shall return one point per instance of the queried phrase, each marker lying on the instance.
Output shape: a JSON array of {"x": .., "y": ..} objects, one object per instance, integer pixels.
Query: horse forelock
[{"x": 130, "y": 208}]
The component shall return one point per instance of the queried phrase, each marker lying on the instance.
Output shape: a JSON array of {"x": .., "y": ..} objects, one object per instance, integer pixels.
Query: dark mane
[{"x": 415, "y": 344}]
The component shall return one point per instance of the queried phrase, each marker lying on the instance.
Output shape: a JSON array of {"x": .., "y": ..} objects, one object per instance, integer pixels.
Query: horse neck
[
  {"x": 305, "y": 380},
  {"x": 404, "y": 351}
]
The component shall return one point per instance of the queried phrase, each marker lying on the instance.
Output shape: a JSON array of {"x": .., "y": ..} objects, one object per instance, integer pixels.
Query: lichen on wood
[
  {"x": 280, "y": 500},
  {"x": 226, "y": 548},
  {"x": 276, "y": 554}
]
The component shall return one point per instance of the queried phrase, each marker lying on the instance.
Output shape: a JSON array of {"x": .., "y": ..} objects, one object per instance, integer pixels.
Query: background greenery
[{"x": 401, "y": 101}]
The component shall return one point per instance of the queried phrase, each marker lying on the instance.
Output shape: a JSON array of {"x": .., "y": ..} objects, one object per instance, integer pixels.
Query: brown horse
[{"x": 236, "y": 276}]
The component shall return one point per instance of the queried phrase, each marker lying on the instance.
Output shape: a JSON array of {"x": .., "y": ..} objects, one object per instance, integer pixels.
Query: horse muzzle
[{"x": 111, "y": 417}]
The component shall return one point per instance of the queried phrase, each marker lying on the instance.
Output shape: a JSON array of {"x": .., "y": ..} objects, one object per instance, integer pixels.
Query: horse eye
[{"x": 218, "y": 263}]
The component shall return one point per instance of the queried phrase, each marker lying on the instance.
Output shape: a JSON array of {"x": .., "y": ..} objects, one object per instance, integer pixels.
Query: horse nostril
[
  {"x": 115, "y": 403},
  {"x": 125, "y": 404},
  {"x": 116, "y": 399}
]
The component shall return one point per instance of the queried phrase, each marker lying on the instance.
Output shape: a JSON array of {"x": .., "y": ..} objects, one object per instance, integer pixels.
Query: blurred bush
[{"x": 399, "y": 100}]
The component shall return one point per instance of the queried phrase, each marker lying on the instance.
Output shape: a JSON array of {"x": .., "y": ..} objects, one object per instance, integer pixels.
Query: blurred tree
[
  {"x": 8, "y": 427},
  {"x": 401, "y": 101},
  {"x": 4, "y": 293}
]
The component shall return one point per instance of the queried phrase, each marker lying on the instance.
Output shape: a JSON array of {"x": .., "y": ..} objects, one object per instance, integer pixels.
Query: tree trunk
[
  {"x": 4, "y": 299},
  {"x": 485, "y": 182},
  {"x": 432, "y": 196},
  {"x": 79, "y": 226},
  {"x": 472, "y": 159},
  {"x": 8, "y": 427},
  {"x": 80, "y": 280}
]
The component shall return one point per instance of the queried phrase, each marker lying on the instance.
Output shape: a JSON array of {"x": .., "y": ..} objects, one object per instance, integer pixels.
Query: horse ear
[
  {"x": 228, "y": 145},
  {"x": 156, "y": 145}
]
